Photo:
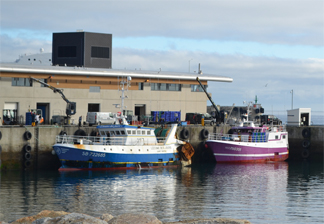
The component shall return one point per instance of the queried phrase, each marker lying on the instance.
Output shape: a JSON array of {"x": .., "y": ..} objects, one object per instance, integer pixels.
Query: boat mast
[
  {"x": 125, "y": 83},
  {"x": 248, "y": 108}
]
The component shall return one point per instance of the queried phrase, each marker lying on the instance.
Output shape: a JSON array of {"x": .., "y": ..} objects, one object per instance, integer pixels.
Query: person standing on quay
[
  {"x": 37, "y": 119},
  {"x": 80, "y": 120}
]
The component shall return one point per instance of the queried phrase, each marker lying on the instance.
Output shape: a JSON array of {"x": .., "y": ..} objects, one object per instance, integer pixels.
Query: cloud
[
  {"x": 271, "y": 22},
  {"x": 263, "y": 36},
  {"x": 250, "y": 75}
]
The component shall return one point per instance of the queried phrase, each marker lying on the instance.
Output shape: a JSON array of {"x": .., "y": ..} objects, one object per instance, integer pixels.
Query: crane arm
[
  {"x": 55, "y": 90},
  {"x": 210, "y": 99},
  {"x": 70, "y": 106}
]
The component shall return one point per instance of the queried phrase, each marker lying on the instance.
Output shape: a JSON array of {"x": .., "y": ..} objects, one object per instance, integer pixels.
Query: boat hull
[
  {"x": 88, "y": 157},
  {"x": 242, "y": 152}
]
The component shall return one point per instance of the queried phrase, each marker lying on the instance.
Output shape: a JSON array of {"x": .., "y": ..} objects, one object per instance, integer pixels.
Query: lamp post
[
  {"x": 189, "y": 64},
  {"x": 292, "y": 98}
]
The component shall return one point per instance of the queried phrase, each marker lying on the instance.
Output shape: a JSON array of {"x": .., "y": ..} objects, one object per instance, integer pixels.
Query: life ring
[
  {"x": 306, "y": 143},
  {"x": 28, "y": 135},
  {"x": 185, "y": 133},
  {"x": 204, "y": 133},
  {"x": 0, "y": 135},
  {"x": 305, "y": 153},
  {"x": 306, "y": 132},
  {"x": 27, "y": 148},
  {"x": 27, "y": 156},
  {"x": 27, "y": 163}
]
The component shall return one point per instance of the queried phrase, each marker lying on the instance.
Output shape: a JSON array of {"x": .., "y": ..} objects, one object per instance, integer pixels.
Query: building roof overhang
[{"x": 74, "y": 71}]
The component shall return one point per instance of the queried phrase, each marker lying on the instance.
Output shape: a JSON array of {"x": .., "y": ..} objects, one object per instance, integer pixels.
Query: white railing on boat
[
  {"x": 263, "y": 137},
  {"x": 248, "y": 137},
  {"x": 93, "y": 140}
]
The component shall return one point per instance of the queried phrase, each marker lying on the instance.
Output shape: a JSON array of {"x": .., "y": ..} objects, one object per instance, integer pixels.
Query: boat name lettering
[
  {"x": 64, "y": 150},
  {"x": 233, "y": 148},
  {"x": 93, "y": 154}
]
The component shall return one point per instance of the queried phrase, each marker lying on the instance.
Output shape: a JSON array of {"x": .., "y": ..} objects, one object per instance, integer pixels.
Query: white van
[{"x": 98, "y": 118}]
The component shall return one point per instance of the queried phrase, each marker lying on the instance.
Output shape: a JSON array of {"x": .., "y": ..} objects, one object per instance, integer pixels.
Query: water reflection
[{"x": 261, "y": 193}]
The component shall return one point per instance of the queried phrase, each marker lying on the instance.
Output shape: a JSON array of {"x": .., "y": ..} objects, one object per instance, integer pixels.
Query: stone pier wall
[{"x": 14, "y": 154}]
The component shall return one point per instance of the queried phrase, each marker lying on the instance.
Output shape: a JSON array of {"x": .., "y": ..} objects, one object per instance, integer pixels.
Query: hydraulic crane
[
  {"x": 70, "y": 106},
  {"x": 217, "y": 112}
]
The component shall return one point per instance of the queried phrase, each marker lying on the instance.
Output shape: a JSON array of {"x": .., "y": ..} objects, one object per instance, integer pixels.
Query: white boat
[{"x": 122, "y": 146}]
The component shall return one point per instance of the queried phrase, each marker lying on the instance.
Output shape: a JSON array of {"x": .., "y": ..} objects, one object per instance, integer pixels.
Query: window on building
[
  {"x": 94, "y": 89},
  {"x": 67, "y": 52},
  {"x": 21, "y": 82},
  {"x": 100, "y": 52},
  {"x": 141, "y": 86},
  {"x": 197, "y": 88},
  {"x": 165, "y": 87}
]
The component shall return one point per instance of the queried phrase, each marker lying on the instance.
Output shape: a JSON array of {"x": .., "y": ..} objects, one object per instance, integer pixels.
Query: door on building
[
  {"x": 140, "y": 111},
  {"x": 10, "y": 114},
  {"x": 93, "y": 107},
  {"x": 45, "y": 111}
]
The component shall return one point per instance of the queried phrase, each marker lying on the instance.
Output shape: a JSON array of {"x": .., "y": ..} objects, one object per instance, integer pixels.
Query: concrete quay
[{"x": 31, "y": 147}]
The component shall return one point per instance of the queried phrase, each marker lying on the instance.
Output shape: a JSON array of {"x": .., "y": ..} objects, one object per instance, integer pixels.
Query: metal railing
[
  {"x": 93, "y": 140},
  {"x": 263, "y": 137},
  {"x": 248, "y": 137}
]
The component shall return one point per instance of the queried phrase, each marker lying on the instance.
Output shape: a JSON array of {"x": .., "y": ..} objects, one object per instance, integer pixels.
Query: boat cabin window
[
  {"x": 143, "y": 132},
  {"x": 129, "y": 132},
  {"x": 133, "y": 132},
  {"x": 111, "y": 133},
  {"x": 117, "y": 132},
  {"x": 284, "y": 136},
  {"x": 148, "y": 132},
  {"x": 138, "y": 132},
  {"x": 122, "y": 132},
  {"x": 276, "y": 137},
  {"x": 102, "y": 133}
]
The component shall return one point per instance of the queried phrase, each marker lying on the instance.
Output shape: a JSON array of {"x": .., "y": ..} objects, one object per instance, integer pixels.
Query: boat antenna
[{"x": 125, "y": 83}]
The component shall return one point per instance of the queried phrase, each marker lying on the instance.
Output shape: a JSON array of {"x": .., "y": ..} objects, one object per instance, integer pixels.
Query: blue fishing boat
[{"x": 122, "y": 146}]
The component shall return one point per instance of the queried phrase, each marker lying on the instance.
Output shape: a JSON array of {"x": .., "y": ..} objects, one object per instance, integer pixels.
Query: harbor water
[{"x": 284, "y": 192}]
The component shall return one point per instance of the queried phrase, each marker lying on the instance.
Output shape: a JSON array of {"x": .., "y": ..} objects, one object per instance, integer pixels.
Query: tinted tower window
[{"x": 99, "y": 52}]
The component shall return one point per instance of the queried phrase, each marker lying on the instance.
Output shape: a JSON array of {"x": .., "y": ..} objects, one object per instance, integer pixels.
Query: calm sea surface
[{"x": 261, "y": 193}]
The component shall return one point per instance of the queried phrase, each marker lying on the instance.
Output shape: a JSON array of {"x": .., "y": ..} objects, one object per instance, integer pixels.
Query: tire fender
[
  {"x": 306, "y": 143},
  {"x": 27, "y": 148},
  {"x": 306, "y": 132},
  {"x": 27, "y": 156},
  {"x": 62, "y": 133},
  {"x": 27, "y": 135},
  {"x": 305, "y": 153},
  {"x": 185, "y": 133},
  {"x": 27, "y": 163},
  {"x": 204, "y": 133}
]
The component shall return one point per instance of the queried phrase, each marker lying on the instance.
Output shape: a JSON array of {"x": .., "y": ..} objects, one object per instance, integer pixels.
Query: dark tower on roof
[{"x": 92, "y": 50}]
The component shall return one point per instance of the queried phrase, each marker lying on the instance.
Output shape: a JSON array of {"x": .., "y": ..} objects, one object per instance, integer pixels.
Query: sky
[{"x": 273, "y": 49}]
